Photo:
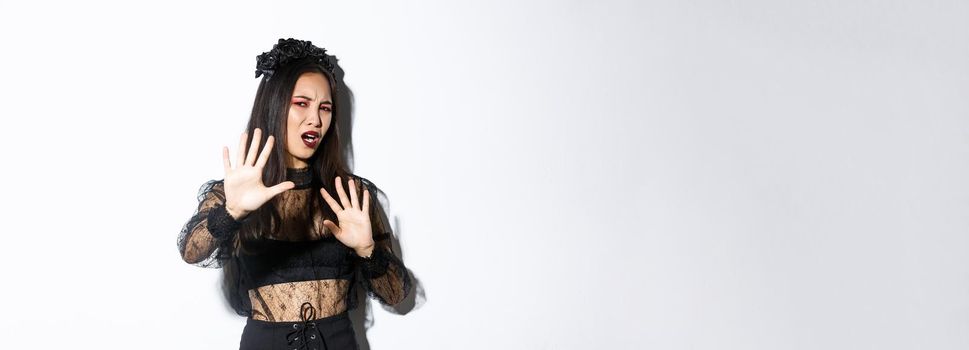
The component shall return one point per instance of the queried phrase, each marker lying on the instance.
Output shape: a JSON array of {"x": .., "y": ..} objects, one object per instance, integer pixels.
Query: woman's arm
[
  {"x": 364, "y": 228},
  {"x": 204, "y": 240},
  {"x": 384, "y": 274}
]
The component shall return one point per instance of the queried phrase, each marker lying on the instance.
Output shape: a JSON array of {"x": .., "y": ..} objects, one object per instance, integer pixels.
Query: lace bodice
[{"x": 302, "y": 263}]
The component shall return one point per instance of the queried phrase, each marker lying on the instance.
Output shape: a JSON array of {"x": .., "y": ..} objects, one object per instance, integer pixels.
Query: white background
[{"x": 567, "y": 175}]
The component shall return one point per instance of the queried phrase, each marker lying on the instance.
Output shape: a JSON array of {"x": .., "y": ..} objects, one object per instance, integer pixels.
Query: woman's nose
[{"x": 314, "y": 119}]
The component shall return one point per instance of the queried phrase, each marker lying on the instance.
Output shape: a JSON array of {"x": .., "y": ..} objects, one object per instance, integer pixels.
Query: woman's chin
[
  {"x": 302, "y": 157},
  {"x": 306, "y": 156}
]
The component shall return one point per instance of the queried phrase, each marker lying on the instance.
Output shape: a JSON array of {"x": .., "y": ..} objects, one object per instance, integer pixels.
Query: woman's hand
[
  {"x": 244, "y": 190},
  {"x": 354, "y": 230}
]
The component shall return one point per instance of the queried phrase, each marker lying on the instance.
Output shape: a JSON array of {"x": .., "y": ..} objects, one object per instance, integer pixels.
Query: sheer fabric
[{"x": 303, "y": 264}]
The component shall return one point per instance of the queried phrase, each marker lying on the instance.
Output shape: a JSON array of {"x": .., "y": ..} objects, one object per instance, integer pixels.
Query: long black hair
[{"x": 332, "y": 158}]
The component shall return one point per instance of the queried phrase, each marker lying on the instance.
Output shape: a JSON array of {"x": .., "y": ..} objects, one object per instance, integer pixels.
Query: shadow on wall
[{"x": 362, "y": 316}]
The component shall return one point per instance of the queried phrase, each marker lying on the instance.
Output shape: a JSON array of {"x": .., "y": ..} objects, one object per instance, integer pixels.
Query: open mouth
[{"x": 311, "y": 138}]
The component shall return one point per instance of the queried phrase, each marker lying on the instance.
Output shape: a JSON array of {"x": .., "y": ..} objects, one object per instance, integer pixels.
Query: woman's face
[{"x": 310, "y": 112}]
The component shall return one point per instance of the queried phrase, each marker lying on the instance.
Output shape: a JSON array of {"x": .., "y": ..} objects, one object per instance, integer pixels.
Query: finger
[
  {"x": 253, "y": 147},
  {"x": 353, "y": 194},
  {"x": 332, "y": 227},
  {"x": 366, "y": 201},
  {"x": 342, "y": 194},
  {"x": 264, "y": 156},
  {"x": 329, "y": 200},
  {"x": 281, "y": 187},
  {"x": 225, "y": 160},
  {"x": 240, "y": 155}
]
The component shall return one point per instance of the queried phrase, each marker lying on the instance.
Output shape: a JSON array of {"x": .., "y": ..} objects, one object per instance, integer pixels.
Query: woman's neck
[{"x": 295, "y": 163}]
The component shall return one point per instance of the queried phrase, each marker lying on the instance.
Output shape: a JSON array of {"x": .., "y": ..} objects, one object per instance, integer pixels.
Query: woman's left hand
[{"x": 354, "y": 230}]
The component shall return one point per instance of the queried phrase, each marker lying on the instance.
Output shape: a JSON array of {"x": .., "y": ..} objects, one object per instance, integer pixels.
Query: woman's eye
[
  {"x": 326, "y": 108},
  {"x": 301, "y": 104}
]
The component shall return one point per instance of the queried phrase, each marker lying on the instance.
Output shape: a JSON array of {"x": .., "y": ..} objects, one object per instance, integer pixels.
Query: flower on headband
[{"x": 291, "y": 50}]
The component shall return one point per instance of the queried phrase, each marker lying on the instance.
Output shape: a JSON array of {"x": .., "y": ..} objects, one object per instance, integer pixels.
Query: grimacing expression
[{"x": 310, "y": 113}]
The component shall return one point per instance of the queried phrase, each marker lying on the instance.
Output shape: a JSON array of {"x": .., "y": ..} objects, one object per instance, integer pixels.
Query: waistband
[
  {"x": 309, "y": 333},
  {"x": 271, "y": 325}
]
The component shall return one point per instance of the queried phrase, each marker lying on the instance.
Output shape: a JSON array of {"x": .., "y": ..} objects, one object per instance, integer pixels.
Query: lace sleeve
[
  {"x": 384, "y": 275},
  {"x": 206, "y": 239}
]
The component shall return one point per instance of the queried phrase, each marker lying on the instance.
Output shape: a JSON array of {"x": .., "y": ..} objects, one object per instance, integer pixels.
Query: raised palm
[
  {"x": 244, "y": 189},
  {"x": 354, "y": 230}
]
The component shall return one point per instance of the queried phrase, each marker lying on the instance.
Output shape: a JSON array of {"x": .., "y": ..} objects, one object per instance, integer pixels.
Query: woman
[{"x": 292, "y": 251}]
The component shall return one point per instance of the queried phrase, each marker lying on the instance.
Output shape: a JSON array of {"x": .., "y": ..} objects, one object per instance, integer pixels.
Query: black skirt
[{"x": 328, "y": 333}]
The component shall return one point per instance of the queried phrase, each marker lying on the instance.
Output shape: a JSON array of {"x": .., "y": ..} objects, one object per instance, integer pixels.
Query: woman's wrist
[
  {"x": 374, "y": 264},
  {"x": 365, "y": 252},
  {"x": 238, "y": 215},
  {"x": 220, "y": 223}
]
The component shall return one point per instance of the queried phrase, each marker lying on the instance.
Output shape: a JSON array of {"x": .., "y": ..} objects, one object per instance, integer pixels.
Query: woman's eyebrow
[{"x": 301, "y": 96}]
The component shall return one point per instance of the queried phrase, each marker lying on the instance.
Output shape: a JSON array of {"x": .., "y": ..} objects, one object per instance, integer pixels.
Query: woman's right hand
[{"x": 244, "y": 190}]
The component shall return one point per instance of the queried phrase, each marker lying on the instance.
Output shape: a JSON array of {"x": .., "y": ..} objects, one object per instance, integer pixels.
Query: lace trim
[
  {"x": 220, "y": 224},
  {"x": 376, "y": 264}
]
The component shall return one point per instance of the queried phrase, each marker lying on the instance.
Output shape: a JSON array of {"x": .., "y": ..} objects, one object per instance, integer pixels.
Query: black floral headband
[{"x": 290, "y": 50}]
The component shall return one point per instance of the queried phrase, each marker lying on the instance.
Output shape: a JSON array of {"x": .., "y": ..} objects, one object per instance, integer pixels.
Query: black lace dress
[{"x": 297, "y": 287}]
